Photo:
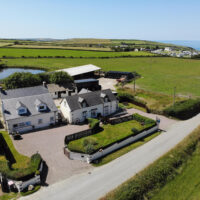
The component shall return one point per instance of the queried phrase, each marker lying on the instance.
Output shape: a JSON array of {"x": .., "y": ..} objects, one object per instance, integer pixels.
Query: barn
[
  {"x": 83, "y": 72},
  {"x": 90, "y": 84}
]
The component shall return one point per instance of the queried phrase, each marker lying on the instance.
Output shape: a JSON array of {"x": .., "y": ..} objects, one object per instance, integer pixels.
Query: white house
[
  {"x": 78, "y": 107},
  {"x": 27, "y": 109},
  {"x": 168, "y": 49}
]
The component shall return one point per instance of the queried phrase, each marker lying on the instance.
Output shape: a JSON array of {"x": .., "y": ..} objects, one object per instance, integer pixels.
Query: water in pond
[{"x": 5, "y": 72}]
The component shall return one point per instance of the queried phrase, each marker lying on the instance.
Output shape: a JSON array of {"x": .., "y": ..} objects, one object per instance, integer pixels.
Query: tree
[
  {"x": 60, "y": 77},
  {"x": 22, "y": 79}
]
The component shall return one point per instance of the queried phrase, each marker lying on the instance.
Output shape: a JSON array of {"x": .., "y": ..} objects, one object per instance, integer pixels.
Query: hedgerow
[
  {"x": 147, "y": 182},
  {"x": 184, "y": 109}
]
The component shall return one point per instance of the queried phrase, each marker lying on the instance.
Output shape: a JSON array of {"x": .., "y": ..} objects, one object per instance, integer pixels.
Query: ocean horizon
[{"x": 189, "y": 43}]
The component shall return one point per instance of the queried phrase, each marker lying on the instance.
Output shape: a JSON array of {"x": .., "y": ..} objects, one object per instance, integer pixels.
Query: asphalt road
[{"x": 91, "y": 186}]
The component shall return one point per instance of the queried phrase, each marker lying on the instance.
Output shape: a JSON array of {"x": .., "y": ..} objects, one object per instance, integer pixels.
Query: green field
[
  {"x": 158, "y": 74},
  {"x": 186, "y": 185},
  {"x": 19, "y": 52}
]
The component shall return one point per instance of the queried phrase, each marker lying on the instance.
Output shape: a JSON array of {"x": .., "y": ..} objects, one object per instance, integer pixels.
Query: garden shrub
[
  {"x": 93, "y": 123},
  {"x": 125, "y": 97},
  {"x": 184, "y": 109},
  {"x": 143, "y": 120}
]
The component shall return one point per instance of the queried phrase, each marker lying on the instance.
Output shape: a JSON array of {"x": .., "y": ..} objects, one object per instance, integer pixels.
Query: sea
[{"x": 189, "y": 43}]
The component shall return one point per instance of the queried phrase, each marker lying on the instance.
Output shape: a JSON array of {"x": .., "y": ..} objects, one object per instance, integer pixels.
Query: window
[
  {"x": 106, "y": 99},
  {"x": 15, "y": 125},
  {"x": 84, "y": 114},
  {"x": 42, "y": 107},
  {"x": 28, "y": 123},
  {"x": 22, "y": 111},
  {"x": 39, "y": 121},
  {"x": 51, "y": 119},
  {"x": 93, "y": 112},
  {"x": 84, "y": 104},
  {"x": 106, "y": 110}
]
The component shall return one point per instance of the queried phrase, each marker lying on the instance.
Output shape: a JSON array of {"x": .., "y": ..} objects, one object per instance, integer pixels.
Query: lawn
[
  {"x": 21, "y": 160},
  {"x": 110, "y": 134},
  {"x": 186, "y": 185},
  {"x": 19, "y": 52},
  {"x": 125, "y": 150},
  {"x": 158, "y": 74}
]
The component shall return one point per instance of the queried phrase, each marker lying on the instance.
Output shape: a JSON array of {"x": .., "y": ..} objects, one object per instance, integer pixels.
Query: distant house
[
  {"x": 78, "y": 107},
  {"x": 27, "y": 109},
  {"x": 82, "y": 72},
  {"x": 168, "y": 49}
]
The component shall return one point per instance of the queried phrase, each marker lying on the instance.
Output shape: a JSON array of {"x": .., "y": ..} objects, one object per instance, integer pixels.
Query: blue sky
[{"x": 131, "y": 19}]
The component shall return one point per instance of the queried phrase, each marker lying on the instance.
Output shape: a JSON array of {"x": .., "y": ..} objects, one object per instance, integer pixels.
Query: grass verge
[
  {"x": 149, "y": 181},
  {"x": 124, "y": 150}
]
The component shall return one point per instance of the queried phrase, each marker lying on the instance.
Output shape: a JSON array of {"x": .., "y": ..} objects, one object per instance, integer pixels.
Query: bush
[
  {"x": 143, "y": 120},
  {"x": 93, "y": 123},
  {"x": 151, "y": 179},
  {"x": 21, "y": 79},
  {"x": 184, "y": 109},
  {"x": 125, "y": 97},
  {"x": 60, "y": 77}
]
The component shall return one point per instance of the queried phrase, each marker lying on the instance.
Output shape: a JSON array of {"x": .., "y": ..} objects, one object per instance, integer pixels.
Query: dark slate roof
[
  {"x": 60, "y": 88},
  {"x": 91, "y": 98},
  {"x": 28, "y": 98},
  {"x": 22, "y": 92}
]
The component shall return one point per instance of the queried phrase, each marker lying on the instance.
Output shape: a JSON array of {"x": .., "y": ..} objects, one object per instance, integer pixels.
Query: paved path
[
  {"x": 165, "y": 122},
  {"x": 91, "y": 186}
]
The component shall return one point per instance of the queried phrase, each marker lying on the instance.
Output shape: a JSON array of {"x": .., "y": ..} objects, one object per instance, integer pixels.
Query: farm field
[
  {"x": 19, "y": 52},
  {"x": 159, "y": 74},
  {"x": 186, "y": 185}
]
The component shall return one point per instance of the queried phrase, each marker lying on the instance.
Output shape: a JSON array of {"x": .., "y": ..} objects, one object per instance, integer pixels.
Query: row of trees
[{"x": 27, "y": 79}]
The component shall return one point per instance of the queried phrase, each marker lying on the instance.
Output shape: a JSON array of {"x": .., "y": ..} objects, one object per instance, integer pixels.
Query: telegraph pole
[
  {"x": 134, "y": 85},
  {"x": 174, "y": 96}
]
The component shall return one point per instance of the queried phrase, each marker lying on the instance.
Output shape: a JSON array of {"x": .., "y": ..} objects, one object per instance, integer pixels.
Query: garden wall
[
  {"x": 121, "y": 119},
  {"x": 89, "y": 158}
]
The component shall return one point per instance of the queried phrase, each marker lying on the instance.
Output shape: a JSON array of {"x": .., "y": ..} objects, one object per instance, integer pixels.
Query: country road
[{"x": 93, "y": 185}]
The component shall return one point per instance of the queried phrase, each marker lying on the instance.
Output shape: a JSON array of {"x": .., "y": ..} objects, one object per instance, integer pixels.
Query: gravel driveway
[
  {"x": 49, "y": 143},
  {"x": 107, "y": 83}
]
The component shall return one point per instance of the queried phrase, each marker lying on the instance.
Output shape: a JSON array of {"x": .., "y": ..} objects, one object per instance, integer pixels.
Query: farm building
[
  {"x": 82, "y": 72},
  {"x": 60, "y": 91},
  {"x": 119, "y": 74},
  {"x": 27, "y": 109},
  {"x": 79, "y": 107},
  {"x": 90, "y": 84}
]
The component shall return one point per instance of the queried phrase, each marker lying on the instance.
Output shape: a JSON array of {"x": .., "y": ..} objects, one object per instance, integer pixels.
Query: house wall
[
  {"x": 77, "y": 115},
  {"x": 34, "y": 122}
]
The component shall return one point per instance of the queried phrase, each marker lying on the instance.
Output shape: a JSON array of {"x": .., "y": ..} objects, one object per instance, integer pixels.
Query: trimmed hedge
[
  {"x": 143, "y": 120},
  {"x": 93, "y": 123},
  {"x": 125, "y": 97},
  {"x": 143, "y": 185},
  {"x": 21, "y": 173},
  {"x": 184, "y": 109}
]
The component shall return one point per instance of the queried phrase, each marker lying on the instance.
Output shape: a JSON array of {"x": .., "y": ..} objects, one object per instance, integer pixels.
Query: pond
[{"x": 5, "y": 72}]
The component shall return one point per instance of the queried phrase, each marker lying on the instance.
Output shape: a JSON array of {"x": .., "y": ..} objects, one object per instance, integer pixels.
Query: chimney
[{"x": 44, "y": 84}]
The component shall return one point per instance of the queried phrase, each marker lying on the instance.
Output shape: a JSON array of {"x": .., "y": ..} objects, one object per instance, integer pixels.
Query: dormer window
[
  {"x": 21, "y": 108},
  {"x": 82, "y": 102},
  {"x": 41, "y": 106},
  {"x": 104, "y": 97}
]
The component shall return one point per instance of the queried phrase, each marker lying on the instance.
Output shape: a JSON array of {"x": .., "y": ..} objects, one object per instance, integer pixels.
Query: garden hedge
[{"x": 184, "y": 109}]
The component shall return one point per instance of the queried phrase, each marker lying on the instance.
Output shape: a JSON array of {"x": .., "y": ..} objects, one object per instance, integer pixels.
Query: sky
[{"x": 120, "y": 19}]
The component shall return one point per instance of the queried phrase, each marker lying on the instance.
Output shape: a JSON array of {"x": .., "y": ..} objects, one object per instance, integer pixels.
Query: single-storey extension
[
  {"x": 27, "y": 109},
  {"x": 79, "y": 107},
  {"x": 82, "y": 72}
]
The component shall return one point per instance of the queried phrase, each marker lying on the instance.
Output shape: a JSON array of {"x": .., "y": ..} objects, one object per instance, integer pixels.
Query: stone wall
[{"x": 120, "y": 119}]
